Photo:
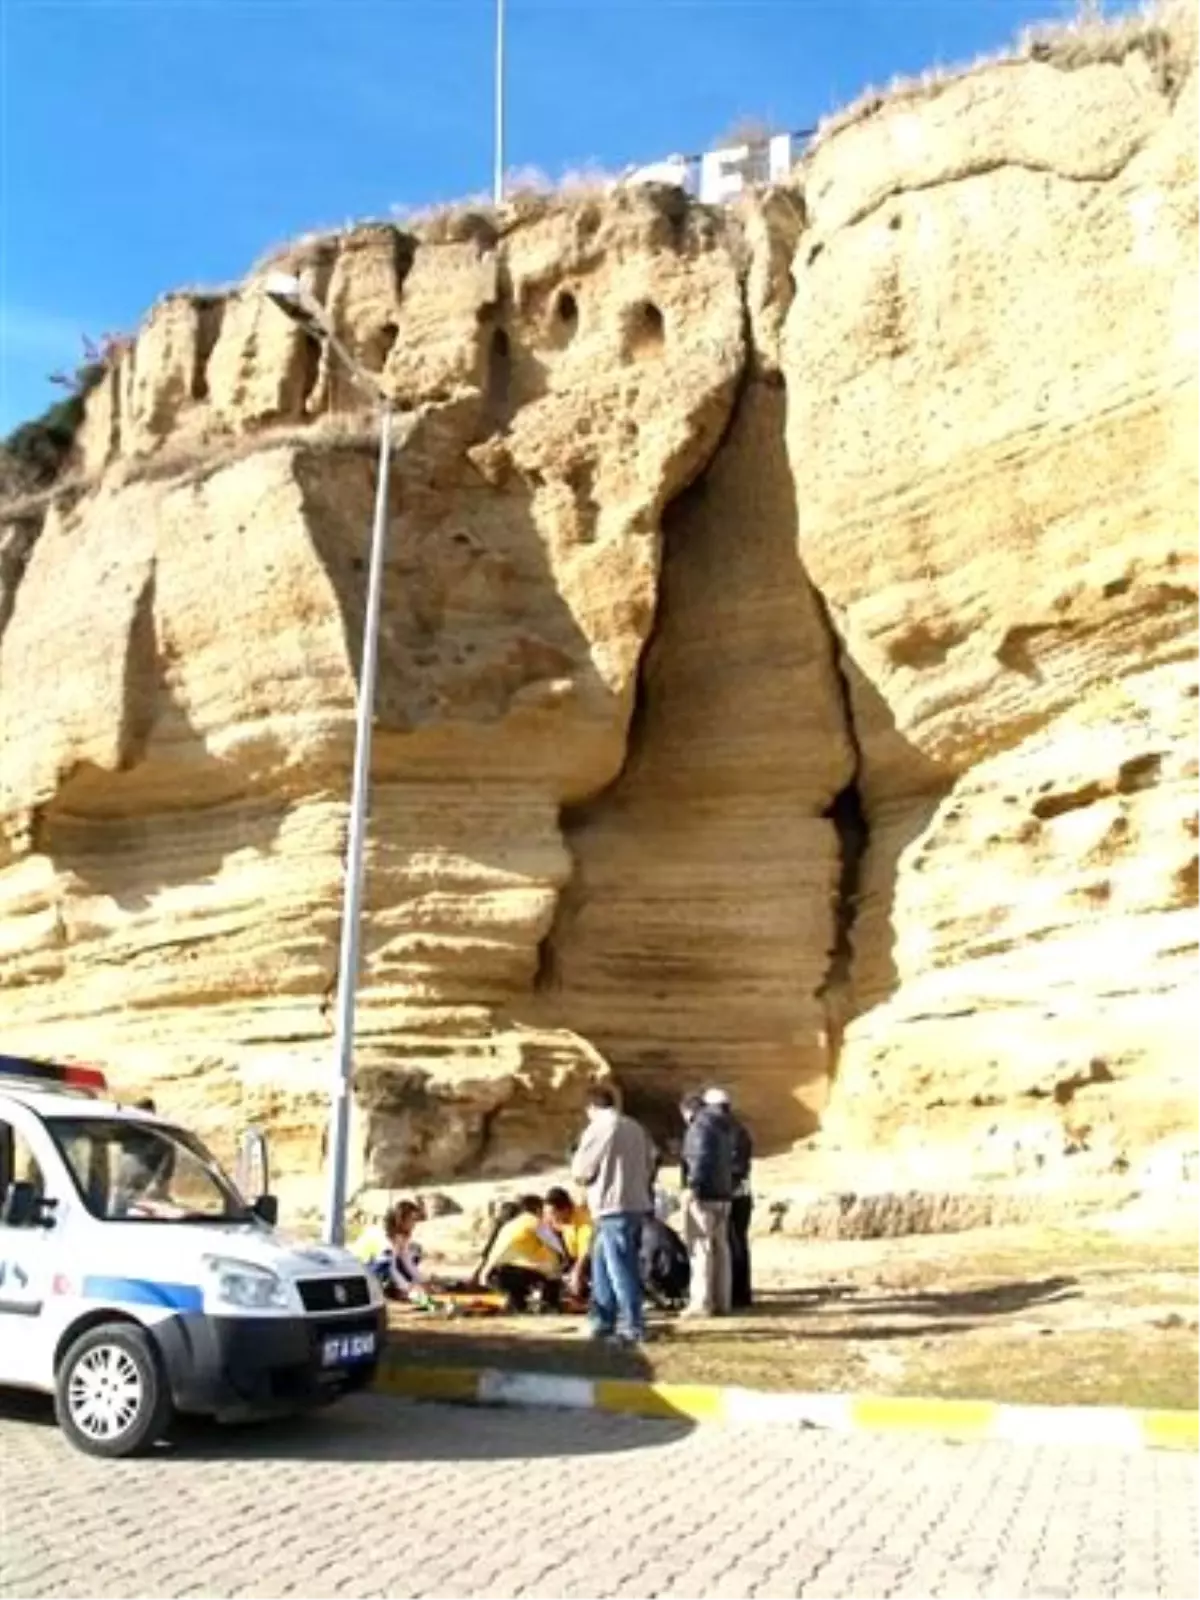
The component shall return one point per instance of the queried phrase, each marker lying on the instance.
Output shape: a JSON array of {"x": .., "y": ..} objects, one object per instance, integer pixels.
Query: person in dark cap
[{"x": 708, "y": 1195}]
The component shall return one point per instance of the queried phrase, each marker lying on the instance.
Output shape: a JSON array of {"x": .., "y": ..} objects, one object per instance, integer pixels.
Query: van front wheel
[{"x": 111, "y": 1398}]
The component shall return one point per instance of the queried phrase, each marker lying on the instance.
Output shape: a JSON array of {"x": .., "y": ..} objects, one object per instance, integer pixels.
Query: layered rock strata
[
  {"x": 179, "y": 659},
  {"x": 787, "y": 670}
]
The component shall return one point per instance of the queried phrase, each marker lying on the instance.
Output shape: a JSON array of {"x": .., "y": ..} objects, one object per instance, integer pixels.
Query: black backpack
[{"x": 666, "y": 1269}]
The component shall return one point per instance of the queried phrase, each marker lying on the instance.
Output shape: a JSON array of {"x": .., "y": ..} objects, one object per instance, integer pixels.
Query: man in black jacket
[
  {"x": 742, "y": 1206},
  {"x": 708, "y": 1195}
]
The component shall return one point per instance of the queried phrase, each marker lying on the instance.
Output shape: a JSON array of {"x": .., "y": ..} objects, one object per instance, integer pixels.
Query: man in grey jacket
[{"x": 615, "y": 1161}]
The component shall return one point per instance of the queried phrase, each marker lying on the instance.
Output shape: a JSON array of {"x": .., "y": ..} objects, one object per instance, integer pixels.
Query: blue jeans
[{"x": 616, "y": 1276}]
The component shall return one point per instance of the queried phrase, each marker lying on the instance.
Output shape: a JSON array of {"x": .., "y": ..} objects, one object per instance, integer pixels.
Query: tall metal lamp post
[
  {"x": 498, "y": 173},
  {"x": 292, "y": 298}
]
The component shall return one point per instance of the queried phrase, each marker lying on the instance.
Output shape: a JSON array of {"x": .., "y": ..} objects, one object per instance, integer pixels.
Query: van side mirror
[
  {"x": 253, "y": 1164},
  {"x": 266, "y": 1209},
  {"x": 23, "y": 1207}
]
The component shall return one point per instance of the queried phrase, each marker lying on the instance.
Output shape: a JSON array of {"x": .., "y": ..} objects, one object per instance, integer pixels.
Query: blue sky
[{"x": 147, "y": 144}]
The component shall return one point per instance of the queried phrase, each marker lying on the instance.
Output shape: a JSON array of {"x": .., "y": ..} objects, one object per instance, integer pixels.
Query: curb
[{"x": 1119, "y": 1427}]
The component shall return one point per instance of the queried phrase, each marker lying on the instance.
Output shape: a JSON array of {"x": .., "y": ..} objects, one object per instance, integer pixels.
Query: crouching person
[
  {"x": 393, "y": 1254},
  {"x": 523, "y": 1261},
  {"x": 666, "y": 1266},
  {"x": 571, "y": 1225}
]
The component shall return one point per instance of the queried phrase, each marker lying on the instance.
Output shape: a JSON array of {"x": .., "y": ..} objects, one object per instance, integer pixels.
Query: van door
[{"x": 26, "y": 1266}]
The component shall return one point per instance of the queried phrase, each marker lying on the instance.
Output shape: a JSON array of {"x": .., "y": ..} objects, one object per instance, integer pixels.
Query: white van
[{"x": 136, "y": 1282}]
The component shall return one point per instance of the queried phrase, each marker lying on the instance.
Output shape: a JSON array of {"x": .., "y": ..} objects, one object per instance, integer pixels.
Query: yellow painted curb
[
  {"x": 429, "y": 1383},
  {"x": 1171, "y": 1430},
  {"x": 957, "y": 1419},
  {"x": 696, "y": 1401}
]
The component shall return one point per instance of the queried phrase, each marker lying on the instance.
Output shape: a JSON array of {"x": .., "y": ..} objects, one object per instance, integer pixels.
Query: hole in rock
[
  {"x": 1139, "y": 772},
  {"x": 380, "y": 347},
  {"x": 849, "y": 819},
  {"x": 650, "y": 324},
  {"x": 499, "y": 371},
  {"x": 645, "y": 329}
]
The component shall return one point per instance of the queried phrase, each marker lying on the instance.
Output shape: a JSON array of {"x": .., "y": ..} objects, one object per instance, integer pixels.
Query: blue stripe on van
[{"x": 145, "y": 1292}]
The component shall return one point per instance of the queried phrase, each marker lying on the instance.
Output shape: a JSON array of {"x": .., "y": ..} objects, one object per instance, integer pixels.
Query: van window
[
  {"x": 144, "y": 1172},
  {"x": 18, "y": 1164}
]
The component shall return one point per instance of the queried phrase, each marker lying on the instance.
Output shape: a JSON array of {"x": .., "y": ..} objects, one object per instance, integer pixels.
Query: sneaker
[{"x": 596, "y": 1335}]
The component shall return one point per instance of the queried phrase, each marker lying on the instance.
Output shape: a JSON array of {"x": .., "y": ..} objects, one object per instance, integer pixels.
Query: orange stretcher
[
  {"x": 455, "y": 1300},
  {"x": 468, "y": 1302},
  {"x": 461, "y": 1300}
]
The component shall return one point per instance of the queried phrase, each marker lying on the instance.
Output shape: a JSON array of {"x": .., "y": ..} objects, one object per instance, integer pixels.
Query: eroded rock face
[
  {"x": 787, "y": 673},
  {"x": 173, "y": 790},
  {"x": 992, "y": 412}
]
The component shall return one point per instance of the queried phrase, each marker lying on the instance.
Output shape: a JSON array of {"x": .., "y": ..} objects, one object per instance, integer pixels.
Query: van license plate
[{"x": 347, "y": 1348}]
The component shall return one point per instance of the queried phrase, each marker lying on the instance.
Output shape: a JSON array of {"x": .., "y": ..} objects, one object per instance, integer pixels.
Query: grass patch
[
  {"x": 1077, "y": 1316},
  {"x": 1113, "y": 1367}
]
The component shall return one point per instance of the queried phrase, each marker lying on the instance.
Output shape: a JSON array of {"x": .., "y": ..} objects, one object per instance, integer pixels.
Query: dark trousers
[
  {"x": 518, "y": 1283},
  {"x": 739, "y": 1250}
]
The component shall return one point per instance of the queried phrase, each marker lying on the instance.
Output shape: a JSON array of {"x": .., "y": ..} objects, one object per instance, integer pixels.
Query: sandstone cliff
[
  {"x": 788, "y": 661},
  {"x": 174, "y": 790},
  {"x": 991, "y": 363}
]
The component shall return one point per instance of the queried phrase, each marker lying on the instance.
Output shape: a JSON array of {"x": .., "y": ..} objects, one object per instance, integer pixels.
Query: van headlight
[{"x": 245, "y": 1285}]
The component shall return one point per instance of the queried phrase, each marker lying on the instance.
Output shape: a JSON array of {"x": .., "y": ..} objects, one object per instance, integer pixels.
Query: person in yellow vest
[
  {"x": 525, "y": 1260},
  {"x": 572, "y": 1222}
]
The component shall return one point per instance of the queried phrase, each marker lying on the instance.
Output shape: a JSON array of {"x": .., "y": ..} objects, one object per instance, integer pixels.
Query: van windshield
[{"x": 145, "y": 1172}]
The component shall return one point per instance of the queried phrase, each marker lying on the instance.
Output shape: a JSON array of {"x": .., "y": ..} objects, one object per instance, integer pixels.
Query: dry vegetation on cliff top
[{"x": 1164, "y": 31}]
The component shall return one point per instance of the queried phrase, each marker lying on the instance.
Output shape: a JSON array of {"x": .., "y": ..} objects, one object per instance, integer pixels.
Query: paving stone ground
[{"x": 378, "y": 1498}]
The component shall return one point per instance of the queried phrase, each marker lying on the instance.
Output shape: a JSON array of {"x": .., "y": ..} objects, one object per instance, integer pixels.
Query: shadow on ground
[
  {"x": 376, "y": 1428},
  {"x": 832, "y": 1312},
  {"x": 991, "y": 1300}
]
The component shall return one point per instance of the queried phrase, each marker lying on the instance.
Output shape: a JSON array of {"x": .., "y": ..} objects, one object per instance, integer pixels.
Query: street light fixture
[{"x": 298, "y": 303}]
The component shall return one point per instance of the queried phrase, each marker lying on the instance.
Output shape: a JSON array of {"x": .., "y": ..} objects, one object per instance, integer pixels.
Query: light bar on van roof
[{"x": 49, "y": 1073}]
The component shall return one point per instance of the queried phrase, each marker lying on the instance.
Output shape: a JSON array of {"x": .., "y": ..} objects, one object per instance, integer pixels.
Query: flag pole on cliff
[
  {"x": 498, "y": 171},
  {"x": 296, "y": 302}
]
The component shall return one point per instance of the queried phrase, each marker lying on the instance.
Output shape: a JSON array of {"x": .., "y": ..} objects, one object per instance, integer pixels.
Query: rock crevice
[{"x": 847, "y": 812}]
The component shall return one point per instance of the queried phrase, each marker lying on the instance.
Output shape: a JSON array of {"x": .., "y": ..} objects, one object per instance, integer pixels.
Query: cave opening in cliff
[{"x": 567, "y": 311}]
